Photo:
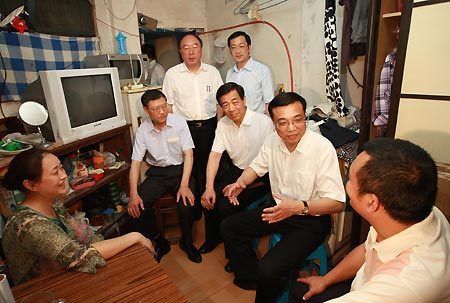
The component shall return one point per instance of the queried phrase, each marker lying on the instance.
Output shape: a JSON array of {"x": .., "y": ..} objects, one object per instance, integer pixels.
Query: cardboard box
[{"x": 443, "y": 195}]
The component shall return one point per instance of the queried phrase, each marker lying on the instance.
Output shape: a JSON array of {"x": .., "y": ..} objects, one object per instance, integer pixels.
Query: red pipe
[{"x": 276, "y": 30}]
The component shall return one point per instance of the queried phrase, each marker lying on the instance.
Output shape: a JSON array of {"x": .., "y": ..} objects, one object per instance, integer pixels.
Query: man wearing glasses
[
  {"x": 167, "y": 145},
  {"x": 190, "y": 88},
  {"x": 254, "y": 76},
  {"x": 306, "y": 186}
]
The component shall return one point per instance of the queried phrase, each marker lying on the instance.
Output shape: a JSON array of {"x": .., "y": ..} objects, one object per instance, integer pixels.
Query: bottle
[
  {"x": 121, "y": 44},
  {"x": 281, "y": 90}
]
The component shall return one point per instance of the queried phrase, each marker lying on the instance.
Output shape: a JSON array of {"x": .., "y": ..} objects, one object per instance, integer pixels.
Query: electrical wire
[
  {"x": 120, "y": 18},
  {"x": 353, "y": 76},
  {"x": 291, "y": 74},
  {"x": 118, "y": 29},
  {"x": 3, "y": 85}
]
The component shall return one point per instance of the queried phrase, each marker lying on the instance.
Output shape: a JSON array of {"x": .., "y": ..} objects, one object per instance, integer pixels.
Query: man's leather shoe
[
  {"x": 162, "y": 247},
  {"x": 228, "y": 267},
  {"x": 247, "y": 284},
  {"x": 208, "y": 246},
  {"x": 192, "y": 252}
]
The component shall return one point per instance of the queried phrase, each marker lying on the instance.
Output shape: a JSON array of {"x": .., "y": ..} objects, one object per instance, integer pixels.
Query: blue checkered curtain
[{"x": 24, "y": 55}]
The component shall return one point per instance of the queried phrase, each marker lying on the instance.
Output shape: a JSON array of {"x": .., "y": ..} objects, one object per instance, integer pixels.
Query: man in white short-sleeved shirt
[
  {"x": 190, "y": 88},
  {"x": 240, "y": 134},
  {"x": 252, "y": 75},
  {"x": 306, "y": 183},
  {"x": 166, "y": 143},
  {"x": 393, "y": 185}
]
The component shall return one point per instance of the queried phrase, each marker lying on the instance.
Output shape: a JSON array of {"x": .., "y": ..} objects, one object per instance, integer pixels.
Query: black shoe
[
  {"x": 208, "y": 246},
  {"x": 247, "y": 284},
  {"x": 228, "y": 267},
  {"x": 162, "y": 247},
  {"x": 192, "y": 253}
]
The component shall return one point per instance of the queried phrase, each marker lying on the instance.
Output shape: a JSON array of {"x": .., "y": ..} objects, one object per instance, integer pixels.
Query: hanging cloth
[
  {"x": 333, "y": 87},
  {"x": 380, "y": 112}
]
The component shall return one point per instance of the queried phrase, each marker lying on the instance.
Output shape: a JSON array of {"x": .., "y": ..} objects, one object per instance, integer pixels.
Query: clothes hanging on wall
[
  {"x": 333, "y": 87},
  {"x": 360, "y": 21},
  {"x": 354, "y": 29},
  {"x": 24, "y": 55},
  {"x": 380, "y": 112}
]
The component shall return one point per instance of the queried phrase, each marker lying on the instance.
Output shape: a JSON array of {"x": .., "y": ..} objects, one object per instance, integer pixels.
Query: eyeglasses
[
  {"x": 187, "y": 48},
  {"x": 284, "y": 124},
  {"x": 158, "y": 108}
]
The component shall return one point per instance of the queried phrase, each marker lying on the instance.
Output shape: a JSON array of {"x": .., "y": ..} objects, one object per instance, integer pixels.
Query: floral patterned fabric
[{"x": 33, "y": 242}]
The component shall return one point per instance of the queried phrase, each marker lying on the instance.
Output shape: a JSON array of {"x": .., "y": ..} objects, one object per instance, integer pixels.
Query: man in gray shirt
[{"x": 167, "y": 144}]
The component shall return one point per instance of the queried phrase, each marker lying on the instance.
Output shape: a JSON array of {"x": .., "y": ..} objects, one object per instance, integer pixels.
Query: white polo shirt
[
  {"x": 411, "y": 266},
  {"x": 192, "y": 95},
  {"x": 256, "y": 80},
  {"x": 164, "y": 147},
  {"x": 310, "y": 172},
  {"x": 242, "y": 143}
]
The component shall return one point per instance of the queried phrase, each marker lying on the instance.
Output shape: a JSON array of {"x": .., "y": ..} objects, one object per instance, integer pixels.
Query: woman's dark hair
[{"x": 25, "y": 166}]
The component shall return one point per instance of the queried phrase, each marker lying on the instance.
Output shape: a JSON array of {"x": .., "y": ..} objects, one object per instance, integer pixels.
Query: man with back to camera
[
  {"x": 240, "y": 133},
  {"x": 190, "y": 88},
  {"x": 306, "y": 182},
  {"x": 393, "y": 185},
  {"x": 254, "y": 76},
  {"x": 154, "y": 74},
  {"x": 168, "y": 144}
]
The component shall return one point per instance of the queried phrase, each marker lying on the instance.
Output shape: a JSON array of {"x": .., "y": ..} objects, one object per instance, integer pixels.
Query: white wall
[
  {"x": 301, "y": 24},
  {"x": 170, "y": 14},
  {"x": 175, "y": 13}
]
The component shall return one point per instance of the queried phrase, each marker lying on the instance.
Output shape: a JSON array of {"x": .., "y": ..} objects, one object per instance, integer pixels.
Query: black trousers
[
  {"x": 227, "y": 174},
  {"x": 301, "y": 235},
  {"x": 159, "y": 181},
  {"x": 202, "y": 133},
  {"x": 334, "y": 291}
]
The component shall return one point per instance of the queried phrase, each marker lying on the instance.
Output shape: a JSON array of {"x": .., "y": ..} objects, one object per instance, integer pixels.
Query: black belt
[{"x": 200, "y": 123}]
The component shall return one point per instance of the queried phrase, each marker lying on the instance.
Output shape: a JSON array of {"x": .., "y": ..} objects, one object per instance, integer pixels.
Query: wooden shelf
[
  {"x": 63, "y": 149},
  {"x": 390, "y": 15},
  {"x": 110, "y": 175}
]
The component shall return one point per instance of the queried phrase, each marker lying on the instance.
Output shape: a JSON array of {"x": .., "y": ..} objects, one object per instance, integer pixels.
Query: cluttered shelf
[
  {"x": 109, "y": 175},
  {"x": 60, "y": 149},
  {"x": 100, "y": 192},
  {"x": 120, "y": 134}
]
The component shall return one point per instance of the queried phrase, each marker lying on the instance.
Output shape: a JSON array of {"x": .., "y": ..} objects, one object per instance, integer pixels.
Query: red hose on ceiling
[{"x": 276, "y": 30}]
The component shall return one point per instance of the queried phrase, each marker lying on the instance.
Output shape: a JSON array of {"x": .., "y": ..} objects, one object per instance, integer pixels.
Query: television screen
[
  {"x": 89, "y": 98},
  {"x": 124, "y": 68}
]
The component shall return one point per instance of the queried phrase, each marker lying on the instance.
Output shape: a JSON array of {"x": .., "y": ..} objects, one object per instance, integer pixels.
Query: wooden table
[{"x": 131, "y": 276}]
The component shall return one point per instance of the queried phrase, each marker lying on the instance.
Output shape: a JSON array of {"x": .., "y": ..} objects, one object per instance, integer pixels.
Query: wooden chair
[{"x": 163, "y": 208}]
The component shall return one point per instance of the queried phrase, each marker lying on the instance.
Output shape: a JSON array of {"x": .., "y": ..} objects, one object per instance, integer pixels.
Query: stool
[
  {"x": 320, "y": 254},
  {"x": 164, "y": 206}
]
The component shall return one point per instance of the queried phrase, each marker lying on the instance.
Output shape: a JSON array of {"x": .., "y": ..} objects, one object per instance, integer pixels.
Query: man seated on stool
[
  {"x": 168, "y": 143},
  {"x": 393, "y": 185},
  {"x": 306, "y": 183},
  {"x": 240, "y": 133}
]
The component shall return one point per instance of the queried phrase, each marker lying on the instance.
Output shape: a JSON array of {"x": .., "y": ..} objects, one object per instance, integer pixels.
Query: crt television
[
  {"x": 131, "y": 67},
  {"x": 80, "y": 102}
]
